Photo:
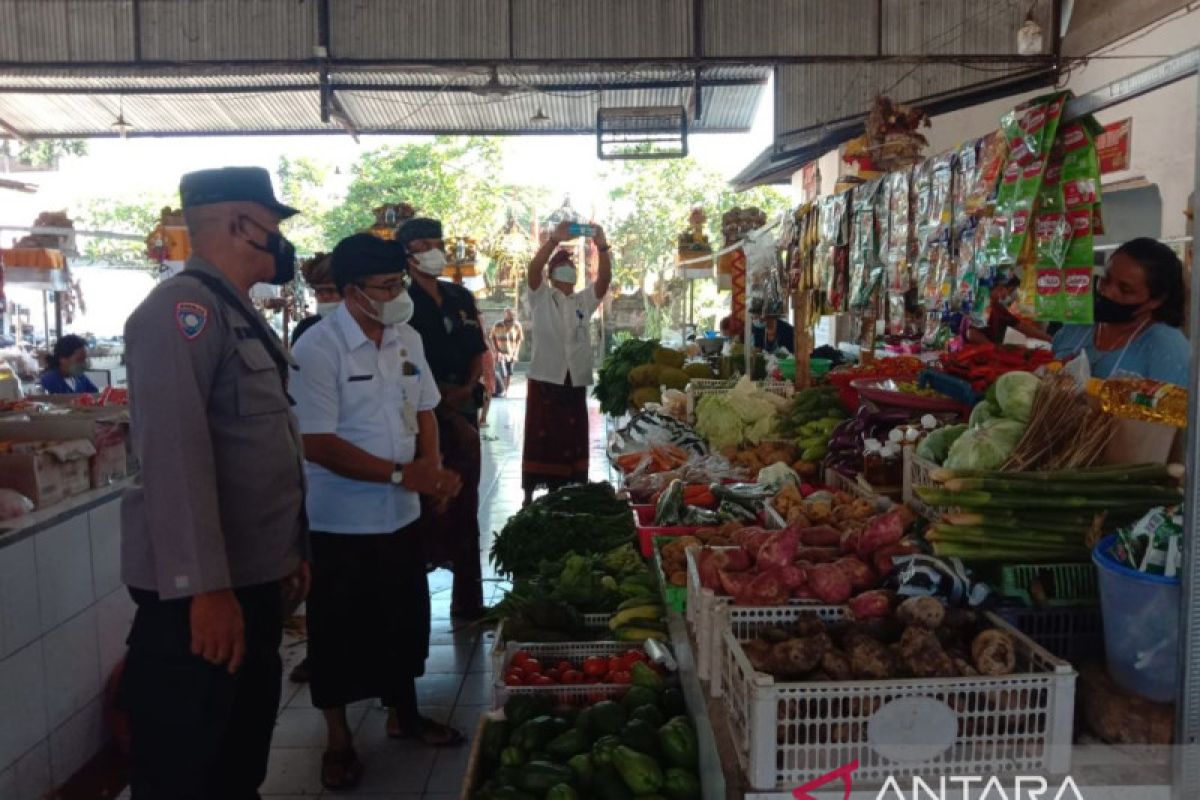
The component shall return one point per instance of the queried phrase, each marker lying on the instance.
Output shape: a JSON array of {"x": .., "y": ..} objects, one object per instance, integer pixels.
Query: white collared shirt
[
  {"x": 561, "y": 334},
  {"x": 347, "y": 386}
]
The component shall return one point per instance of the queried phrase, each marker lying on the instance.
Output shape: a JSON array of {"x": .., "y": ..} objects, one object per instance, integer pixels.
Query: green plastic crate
[
  {"x": 1066, "y": 584},
  {"x": 673, "y": 596}
]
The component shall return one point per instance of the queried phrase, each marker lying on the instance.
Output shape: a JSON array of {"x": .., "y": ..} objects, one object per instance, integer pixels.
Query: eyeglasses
[{"x": 394, "y": 287}]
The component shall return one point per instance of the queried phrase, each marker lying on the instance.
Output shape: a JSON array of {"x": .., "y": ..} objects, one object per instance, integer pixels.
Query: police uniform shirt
[
  {"x": 369, "y": 396},
  {"x": 218, "y": 504},
  {"x": 562, "y": 343},
  {"x": 451, "y": 333}
]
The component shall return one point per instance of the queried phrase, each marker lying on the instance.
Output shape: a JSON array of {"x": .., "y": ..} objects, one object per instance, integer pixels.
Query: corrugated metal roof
[
  {"x": 213, "y": 30},
  {"x": 582, "y": 29},
  {"x": 66, "y": 30},
  {"x": 764, "y": 28},
  {"x": 418, "y": 29}
]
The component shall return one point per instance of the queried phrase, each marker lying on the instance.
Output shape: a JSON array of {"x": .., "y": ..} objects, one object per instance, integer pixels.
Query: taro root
[
  {"x": 994, "y": 653},
  {"x": 836, "y": 665},
  {"x": 924, "y": 612},
  {"x": 869, "y": 659}
]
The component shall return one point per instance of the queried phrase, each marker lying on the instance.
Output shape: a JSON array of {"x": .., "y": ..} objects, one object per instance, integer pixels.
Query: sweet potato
[
  {"x": 765, "y": 589},
  {"x": 734, "y": 583},
  {"x": 861, "y": 576},
  {"x": 779, "y": 550},
  {"x": 793, "y": 577},
  {"x": 830, "y": 584},
  {"x": 820, "y": 536},
  {"x": 872, "y": 604},
  {"x": 883, "y": 558},
  {"x": 885, "y": 529},
  {"x": 816, "y": 555}
]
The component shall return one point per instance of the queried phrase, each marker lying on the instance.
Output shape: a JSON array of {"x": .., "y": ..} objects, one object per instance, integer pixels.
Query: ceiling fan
[{"x": 494, "y": 88}]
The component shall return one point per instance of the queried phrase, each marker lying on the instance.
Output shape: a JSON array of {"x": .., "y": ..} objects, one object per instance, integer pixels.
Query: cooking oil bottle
[{"x": 1141, "y": 398}]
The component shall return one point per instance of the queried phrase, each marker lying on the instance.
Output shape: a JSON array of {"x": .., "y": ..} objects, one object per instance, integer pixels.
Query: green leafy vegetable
[
  {"x": 985, "y": 447},
  {"x": 1014, "y": 393},
  {"x": 936, "y": 445},
  {"x": 612, "y": 380}
]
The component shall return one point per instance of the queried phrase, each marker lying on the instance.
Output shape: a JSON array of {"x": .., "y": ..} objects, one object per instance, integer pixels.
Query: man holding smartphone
[{"x": 556, "y": 420}]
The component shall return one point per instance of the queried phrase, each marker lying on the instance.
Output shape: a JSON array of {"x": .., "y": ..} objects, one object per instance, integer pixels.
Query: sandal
[
  {"x": 340, "y": 770},
  {"x": 429, "y": 732}
]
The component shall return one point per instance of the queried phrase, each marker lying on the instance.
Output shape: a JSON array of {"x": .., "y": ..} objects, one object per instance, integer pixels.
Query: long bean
[{"x": 1135, "y": 491}]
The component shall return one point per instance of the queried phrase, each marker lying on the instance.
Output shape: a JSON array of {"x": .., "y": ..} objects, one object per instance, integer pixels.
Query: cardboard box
[
  {"x": 110, "y": 464},
  {"x": 44, "y": 476}
]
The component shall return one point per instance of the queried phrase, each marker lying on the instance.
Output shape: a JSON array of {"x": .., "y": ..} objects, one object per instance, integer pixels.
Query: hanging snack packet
[
  {"x": 897, "y": 320},
  {"x": 899, "y": 227},
  {"x": 863, "y": 246},
  {"x": 963, "y": 162},
  {"x": 1077, "y": 269},
  {"x": 1080, "y": 166},
  {"x": 980, "y": 193},
  {"x": 997, "y": 231},
  {"x": 1026, "y": 193}
]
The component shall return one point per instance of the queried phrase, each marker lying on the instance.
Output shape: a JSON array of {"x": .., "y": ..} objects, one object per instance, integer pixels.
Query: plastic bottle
[{"x": 1142, "y": 399}]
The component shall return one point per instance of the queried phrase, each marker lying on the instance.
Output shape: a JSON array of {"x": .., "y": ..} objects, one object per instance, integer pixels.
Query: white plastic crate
[
  {"x": 917, "y": 472},
  {"x": 549, "y": 654},
  {"x": 710, "y": 619},
  {"x": 591, "y": 622},
  {"x": 698, "y": 387},
  {"x": 788, "y": 733},
  {"x": 857, "y": 487}
]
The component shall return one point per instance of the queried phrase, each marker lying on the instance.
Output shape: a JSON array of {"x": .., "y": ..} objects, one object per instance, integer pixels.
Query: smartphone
[{"x": 579, "y": 229}]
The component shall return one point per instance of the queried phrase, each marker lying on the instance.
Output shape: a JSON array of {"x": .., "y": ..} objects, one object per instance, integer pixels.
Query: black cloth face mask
[{"x": 283, "y": 251}]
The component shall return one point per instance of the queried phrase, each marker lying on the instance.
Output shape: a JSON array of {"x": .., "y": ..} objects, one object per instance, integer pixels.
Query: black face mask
[
  {"x": 283, "y": 251},
  {"x": 1106, "y": 310}
]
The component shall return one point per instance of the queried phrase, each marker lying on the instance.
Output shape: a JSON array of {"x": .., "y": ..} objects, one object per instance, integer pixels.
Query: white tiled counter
[{"x": 64, "y": 616}]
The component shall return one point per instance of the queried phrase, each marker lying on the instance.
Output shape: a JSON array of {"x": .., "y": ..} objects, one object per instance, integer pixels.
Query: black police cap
[
  {"x": 363, "y": 254},
  {"x": 231, "y": 185}
]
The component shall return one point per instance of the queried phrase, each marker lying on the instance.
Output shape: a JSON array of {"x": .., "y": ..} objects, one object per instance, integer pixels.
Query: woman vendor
[
  {"x": 556, "y": 420},
  {"x": 771, "y": 333},
  {"x": 1138, "y": 313},
  {"x": 65, "y": 367}
]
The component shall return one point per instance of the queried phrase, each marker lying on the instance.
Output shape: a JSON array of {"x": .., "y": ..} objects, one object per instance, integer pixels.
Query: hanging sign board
[{"x": 1113, "y": 146}]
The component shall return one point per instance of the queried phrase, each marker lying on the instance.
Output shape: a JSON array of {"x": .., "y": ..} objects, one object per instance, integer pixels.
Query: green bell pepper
[
  {"x": 681, "y": 784},
  {"x": 640, "y": 772},
  {"x": 677, "y": 740},
  {"x": 644, "y": 675},
  {"x": 562, "y": 791}
]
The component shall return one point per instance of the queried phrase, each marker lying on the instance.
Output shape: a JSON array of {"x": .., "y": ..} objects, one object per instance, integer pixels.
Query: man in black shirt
[{"x": 446, "y": 317}]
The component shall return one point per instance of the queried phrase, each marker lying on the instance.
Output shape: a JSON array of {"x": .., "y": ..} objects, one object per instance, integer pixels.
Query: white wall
[{"x": 1164, "y": 121}]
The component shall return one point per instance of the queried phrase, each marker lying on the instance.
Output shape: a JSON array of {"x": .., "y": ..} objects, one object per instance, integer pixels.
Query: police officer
[{"x": 214, "y": 540}]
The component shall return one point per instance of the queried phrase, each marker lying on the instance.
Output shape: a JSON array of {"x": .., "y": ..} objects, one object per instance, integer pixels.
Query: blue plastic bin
[{"x": 1141, "y": 625}]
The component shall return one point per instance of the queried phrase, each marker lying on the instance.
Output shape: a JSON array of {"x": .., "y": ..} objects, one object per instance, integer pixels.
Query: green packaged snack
[
  {"x": 1156, "y": 529},
  {"x": 1080, "y": 166}
]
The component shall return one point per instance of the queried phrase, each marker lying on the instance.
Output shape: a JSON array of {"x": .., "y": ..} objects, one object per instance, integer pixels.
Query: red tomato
[
  {"x": 591, "y": 680},
  {"x": 553, "y": 674},
  {"x": 621, "y": 676},
  {"x": 520, "y": 657},
  {"x": 532, "y": 666},
  {"x": 595, "y": 666},
  {"x": 615, "y": 663},
  {"x": 633, "y": 656},
  {"x": 513, "y": 679},
  {"x": 596, "y": 697},
  {"x": 564, "y": 665},
  {"x": 572, "y": 676},
  {"x": 514, "y": 670},
  {"x": 541, "y": 680}
]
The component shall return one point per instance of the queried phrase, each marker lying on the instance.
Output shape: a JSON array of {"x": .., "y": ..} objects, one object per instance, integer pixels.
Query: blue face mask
[{"x": 758, "y": 323}]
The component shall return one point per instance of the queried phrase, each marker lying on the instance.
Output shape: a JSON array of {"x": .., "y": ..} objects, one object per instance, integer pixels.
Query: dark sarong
[
  {"x": 452, "y": 538},
  {"x": 556, "y": 436},
  {"x": 368, "y": 616}
]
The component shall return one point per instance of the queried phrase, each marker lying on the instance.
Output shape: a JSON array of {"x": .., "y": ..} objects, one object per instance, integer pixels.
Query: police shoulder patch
[{"x": 192, "y": 319}]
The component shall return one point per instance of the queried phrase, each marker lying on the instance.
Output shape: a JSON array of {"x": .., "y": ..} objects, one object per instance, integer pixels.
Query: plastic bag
[{"x": 13, "y": 504}]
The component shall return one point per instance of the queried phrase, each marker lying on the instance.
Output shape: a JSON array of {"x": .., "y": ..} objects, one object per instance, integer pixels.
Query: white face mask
[
  {"x": 564, "y": 274},
  {"x": 325, "y": 309},
  {"x": 396, "y": 311},
  {"x": 431, "y": 262}
]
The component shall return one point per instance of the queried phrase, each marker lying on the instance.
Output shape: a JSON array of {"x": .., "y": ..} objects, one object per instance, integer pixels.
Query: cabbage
[
  {"x": 744, "y": 414},
  {"x": 982, "y": 412},
  {"x": 985, "y": 447},
  {"x": 777, "y": 476},
  {"x": 1014, "y": 393},
  {"x": 936, "y": 445}
]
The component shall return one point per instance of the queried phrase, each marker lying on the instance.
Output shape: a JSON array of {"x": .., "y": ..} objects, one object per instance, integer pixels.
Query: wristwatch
[{"x": 398, "y": 476}]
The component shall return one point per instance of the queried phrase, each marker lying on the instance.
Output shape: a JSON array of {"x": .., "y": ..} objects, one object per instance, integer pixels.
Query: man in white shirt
[
  {"x": 364, "y": 400},
  {"x": 556, "y": 422}
]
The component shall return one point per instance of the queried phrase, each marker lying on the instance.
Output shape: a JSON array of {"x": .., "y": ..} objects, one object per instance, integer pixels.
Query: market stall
[{"x": 911, "y": 567}]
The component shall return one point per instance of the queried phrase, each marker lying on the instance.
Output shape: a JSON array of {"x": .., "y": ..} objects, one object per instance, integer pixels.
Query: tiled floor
[{"x": 457, "y": 686}]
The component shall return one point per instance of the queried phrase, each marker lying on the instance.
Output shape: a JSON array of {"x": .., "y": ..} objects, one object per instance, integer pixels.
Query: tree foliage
[
  {"x": 43, "y": 153},
  {"x": 303, "y": 184},
  {"x": 650, "y": 203},
  {"x": 134, "y": 214},
  {"x": 449, "y": 178}
]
